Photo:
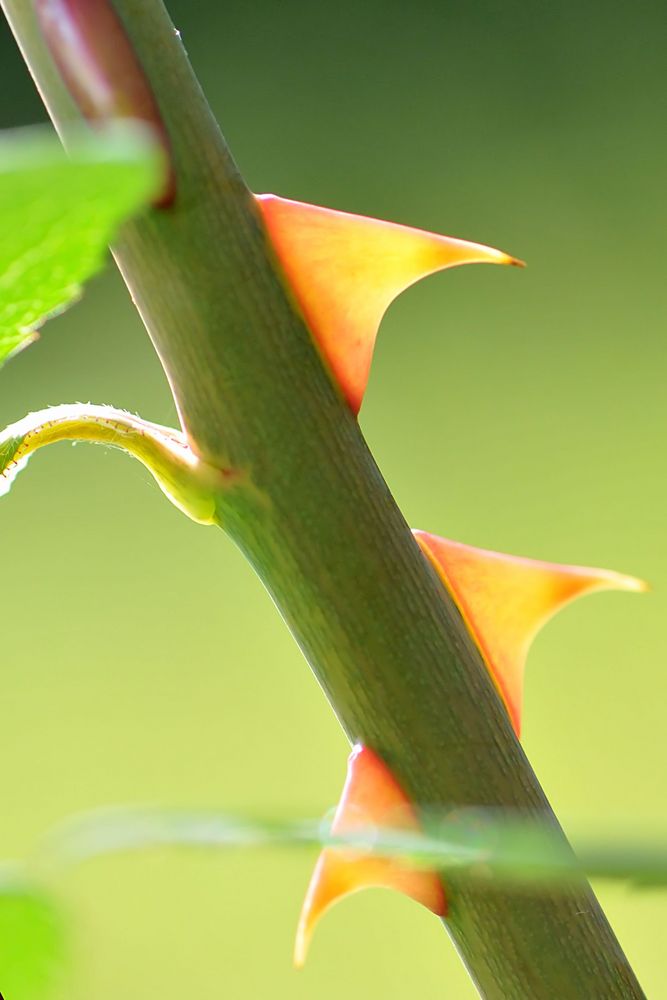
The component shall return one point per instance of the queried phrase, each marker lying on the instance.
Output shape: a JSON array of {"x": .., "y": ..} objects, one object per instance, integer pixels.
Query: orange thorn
[
  {"x": 505, "y": 600},
  {"x": 344, "y": 270},
  {"x": 372, "y": 798}
]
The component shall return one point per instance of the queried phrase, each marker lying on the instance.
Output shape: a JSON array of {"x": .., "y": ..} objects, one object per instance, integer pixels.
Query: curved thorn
[
  {"x": 344, "y": 270},
  {"x": 371, "y": 798},
  {"x": 505, "y": 600}
]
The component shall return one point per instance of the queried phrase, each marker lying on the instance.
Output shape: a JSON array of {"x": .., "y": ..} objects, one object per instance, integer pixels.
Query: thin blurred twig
[{"x": 474, "y": 843}]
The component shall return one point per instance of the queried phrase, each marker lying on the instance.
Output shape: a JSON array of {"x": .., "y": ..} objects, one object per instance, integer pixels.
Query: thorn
[
  {"x": 372, "y": 798},
  {"x": 505, "y": 600},
  {"x": 344, "y": 271}
]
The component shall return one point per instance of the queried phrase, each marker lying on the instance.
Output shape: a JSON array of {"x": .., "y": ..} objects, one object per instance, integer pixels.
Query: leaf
[
  {"x": 31, "y": 940},
  {"x": 57, "y": 215}
]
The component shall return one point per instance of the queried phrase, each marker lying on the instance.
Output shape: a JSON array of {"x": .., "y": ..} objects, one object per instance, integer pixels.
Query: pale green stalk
[{"x": 190, "y": 483}]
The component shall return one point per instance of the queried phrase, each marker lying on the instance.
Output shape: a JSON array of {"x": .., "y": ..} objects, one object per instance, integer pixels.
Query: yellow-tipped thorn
[
  {"x": 505, "y": 600},
  {"x": 344, "y": 270},
  {"x": 371, "y": 799}
]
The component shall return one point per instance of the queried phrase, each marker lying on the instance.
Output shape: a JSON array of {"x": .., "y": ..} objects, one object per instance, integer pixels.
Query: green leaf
[
  {"x": 31, "y": 940},
  {"x": 57, "y": 215}
]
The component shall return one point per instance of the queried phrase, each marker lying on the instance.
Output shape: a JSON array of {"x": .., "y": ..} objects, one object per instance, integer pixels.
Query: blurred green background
[{"x": 142, "y": 661}]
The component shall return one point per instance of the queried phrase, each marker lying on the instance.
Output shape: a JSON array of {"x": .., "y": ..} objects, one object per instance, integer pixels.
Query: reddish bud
[{"x": 100, "y": 68}]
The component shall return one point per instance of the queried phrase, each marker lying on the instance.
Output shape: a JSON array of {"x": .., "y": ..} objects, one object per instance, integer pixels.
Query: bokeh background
[{"x": 142, "y": 661}]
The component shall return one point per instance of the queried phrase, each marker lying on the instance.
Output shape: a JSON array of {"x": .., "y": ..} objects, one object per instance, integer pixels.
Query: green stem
[
  {"x": 323, "y": 531},
  {"x": 191, "y": 484}
]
